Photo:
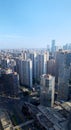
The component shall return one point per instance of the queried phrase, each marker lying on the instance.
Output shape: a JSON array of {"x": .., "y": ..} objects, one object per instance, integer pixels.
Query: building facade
[
  {"x": 42, "y": 64},
  {"x": 47, "y": 90},
  {"x": 63, "y": 75},
  {"x": 25, "y": 72},
  {"x": 9, "y": 83}
]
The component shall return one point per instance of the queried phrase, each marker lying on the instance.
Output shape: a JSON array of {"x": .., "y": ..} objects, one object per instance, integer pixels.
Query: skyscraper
[
  {"x": 63, "y": 74},
  {"x": 33, "y": 57},
  {"x": 51, "y": 67},
  {"x": 47, "y": 90},
  {"x": 42, "y": 64},
  {"x": 53, "y": 47},
  {"x": 25, "y": 70}
]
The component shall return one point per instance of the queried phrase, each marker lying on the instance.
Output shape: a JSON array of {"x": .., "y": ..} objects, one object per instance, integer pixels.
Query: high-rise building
[
  {"x": 25, "y": 55},
  {"x": 33, "y": 57},
  {"x": 9, "y": 83},
  {"x": 51, "y": 67},
  {"x": 57, "y": 64},
  {"x": 63, "y": 74},
  {"x": 53, "y": 48},
  {"x": 25, "y": 72},
  {"x": 4, "y": 63},
  {"x": 42, "y": 64},
  {"x": 48, "y": 48},
  {"x": 65, "y": 47},
  {"x": 47, "y": 90},
  {"x": 39, "y": 65}
]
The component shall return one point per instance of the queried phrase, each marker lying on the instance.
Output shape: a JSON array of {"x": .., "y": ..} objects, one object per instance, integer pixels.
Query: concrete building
[
  {"x": 53, "y": 47},
  {"x": 63, "y": 74},
  {"x": 5, "y": 122},
  {"x": 48, "y": 48},
  {"x": 57, "y": 64},
  {"x": 51, "y": 67},
  {"x": 47, "y": 90},
  {"x": 12, "y": 64},
  {"x": 25, "y": 72},
  {"x": 42, "y": 64},
  {"x": 25, "y": 55},
  {"x": 9, "y": 83},
  {"x": 46, "y": 118},
  {"x": 33, "y": 57},
  {"x": 4, "y": 63},
  {"x": 17, "y": 65},
  {"x": 39, "y": 65},
  {"x": 59, "y": 60}
]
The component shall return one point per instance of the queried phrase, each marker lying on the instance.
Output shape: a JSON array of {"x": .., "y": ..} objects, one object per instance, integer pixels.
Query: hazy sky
[{"x": 34, "y": 23}]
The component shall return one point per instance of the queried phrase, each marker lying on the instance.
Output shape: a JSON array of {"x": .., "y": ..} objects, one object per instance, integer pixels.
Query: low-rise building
[{"x": 5, "y": 122}]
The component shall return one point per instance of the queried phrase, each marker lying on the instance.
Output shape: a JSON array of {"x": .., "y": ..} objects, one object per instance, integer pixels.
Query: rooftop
[
  {"x": 47, "y": 76},
  {"x": 50, "y": 118},
  {"x": 5, "y": 120}
]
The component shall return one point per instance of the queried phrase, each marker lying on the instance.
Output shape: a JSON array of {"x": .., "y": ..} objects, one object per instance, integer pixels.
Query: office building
[{"x": 53, "y": 48}]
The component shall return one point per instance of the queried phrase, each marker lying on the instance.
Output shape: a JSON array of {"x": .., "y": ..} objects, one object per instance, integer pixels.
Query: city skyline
[
  {"x": 33, "y": 24},
  {"x": 35, "y": 88}
]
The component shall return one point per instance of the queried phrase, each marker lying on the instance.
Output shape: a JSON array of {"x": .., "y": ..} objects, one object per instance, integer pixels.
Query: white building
[
  {"x": 33, "y": 57},
  {"x": 47, "y": 90},
  {"x": 25, "y": 55}
]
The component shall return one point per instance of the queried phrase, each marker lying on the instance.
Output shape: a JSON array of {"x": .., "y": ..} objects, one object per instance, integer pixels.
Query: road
[{"x": 24, "y": 124}]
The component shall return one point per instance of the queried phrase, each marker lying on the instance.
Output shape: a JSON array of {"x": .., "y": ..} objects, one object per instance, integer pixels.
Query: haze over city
[
  {"x": 35, "y": 65},
  {"x": 34, "y": 23}
]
